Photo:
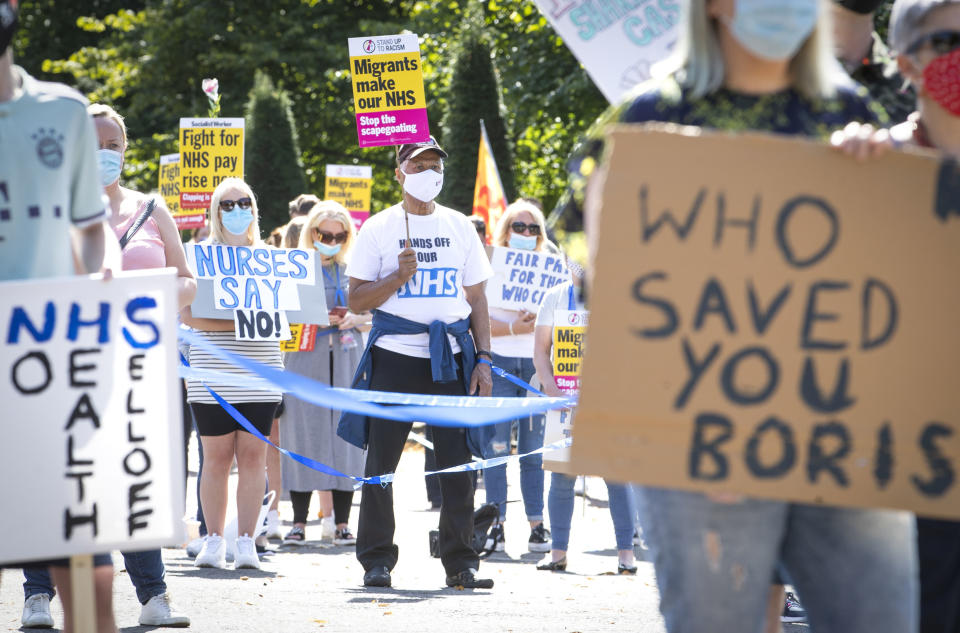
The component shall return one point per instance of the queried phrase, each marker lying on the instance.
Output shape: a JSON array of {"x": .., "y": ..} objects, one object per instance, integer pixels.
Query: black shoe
[
  {"x": 623, "y": 570},
  {"x": 539, "y": 539},
  {"x": 554, "y": 565},
  {"x": 377, "y": 577},
  {"x": 792, "y": 611},
  {"x": 468, "y": 580},
  {"x": 495, "y": 540}
]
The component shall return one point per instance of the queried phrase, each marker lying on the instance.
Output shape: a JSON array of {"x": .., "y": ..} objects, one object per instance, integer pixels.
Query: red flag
[{"x": 489, "y": 200}]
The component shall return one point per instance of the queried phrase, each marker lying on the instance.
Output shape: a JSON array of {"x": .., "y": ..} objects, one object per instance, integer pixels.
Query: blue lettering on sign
[
  {"x": 229, "y": 284},
  {"x": 133, "y": 306},
  {"x": 430, "y": 282},
  {"x": 20, "y": 319},
  {"x": 204, "y": 257}
]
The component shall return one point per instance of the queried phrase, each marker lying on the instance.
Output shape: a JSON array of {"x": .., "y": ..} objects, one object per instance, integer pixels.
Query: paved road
[{"x": 318, "y": 587}]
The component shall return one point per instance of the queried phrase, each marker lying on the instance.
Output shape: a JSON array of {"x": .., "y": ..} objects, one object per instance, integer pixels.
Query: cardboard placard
[
  {"x": 350, "y": 186},
  {"x": 92, "y": 409},
  {"x": 170, "y": 190},
  {"x": 388, "y": 96},
  {"x": 262, "y": 289},
  {"x": 558, "y": 425},
  {"x": 210, "y": 151},
  {"x": 773, "y": 318},
  {"x": 521, "y": 278},
  {"x": 617, "y": 43}
]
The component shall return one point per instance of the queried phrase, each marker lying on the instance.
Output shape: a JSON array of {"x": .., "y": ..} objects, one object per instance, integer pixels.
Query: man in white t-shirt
[{"x": 422, "y": 270}]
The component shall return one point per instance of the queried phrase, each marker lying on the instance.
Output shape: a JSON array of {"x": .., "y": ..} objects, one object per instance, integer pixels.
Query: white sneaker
[
  {"x": 273, "y": 525},
  {"x": 213, "y": 553},
  {"x": 36, "y": 612},
  {"x": 327, "y": 528},
  {"x": 246, "y": 557},
  {"x": 160, "y": 612},
  {"x": 194, "y": 546}
]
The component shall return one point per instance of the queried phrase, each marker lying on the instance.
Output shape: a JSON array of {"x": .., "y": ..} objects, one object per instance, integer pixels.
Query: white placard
[
  {"x": 617, "y": 42},
  {"x": 93, "y": 447},
  {"x": 521, "y": 278}
]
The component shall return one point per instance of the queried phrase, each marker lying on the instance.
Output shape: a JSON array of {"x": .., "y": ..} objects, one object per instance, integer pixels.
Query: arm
[
  {"x": 173, "y": 250},
  {"x": 521, "y": 324},
  {"x": 542, "y": 344},
  {"x": 480, "y": 326},
  {"x": 206, "y": 325},
  {"x": 364, "y": 296}
]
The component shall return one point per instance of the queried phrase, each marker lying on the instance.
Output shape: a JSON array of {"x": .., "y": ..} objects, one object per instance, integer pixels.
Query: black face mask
[
  {"x": 8, "y": 23},
  {"x": 862, "y": 7}
]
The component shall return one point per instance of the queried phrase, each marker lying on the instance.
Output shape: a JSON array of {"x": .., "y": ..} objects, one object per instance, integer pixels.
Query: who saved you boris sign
[
  {"x": 775, "y": 319},
  {"x": 92, "y": 446},
  {"x": 261, "y": 289}
]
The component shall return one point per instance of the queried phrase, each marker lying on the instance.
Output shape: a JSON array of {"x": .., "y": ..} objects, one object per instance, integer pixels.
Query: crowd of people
[{"x": 395, "y": 326}]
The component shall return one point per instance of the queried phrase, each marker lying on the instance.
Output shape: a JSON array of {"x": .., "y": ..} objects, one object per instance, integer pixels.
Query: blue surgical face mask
[
  {"x": 326, "y": 249},
  {"x": 524, "y": 242},
  {"x": 111, "y": 162},
  {"x": 773, "y": 29},
  {"x": 238, "y": 220}
]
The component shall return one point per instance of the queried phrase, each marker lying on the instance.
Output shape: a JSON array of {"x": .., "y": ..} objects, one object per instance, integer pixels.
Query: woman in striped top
[{"x": 233, "y": 221}]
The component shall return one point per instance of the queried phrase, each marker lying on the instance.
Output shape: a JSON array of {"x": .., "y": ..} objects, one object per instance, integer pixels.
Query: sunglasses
[
  {"x": 243, "y": 203},
  {"x": 941, "y": 42},
  {"x": 331, "y": 238},
  {"x": 520, "y": 227}
]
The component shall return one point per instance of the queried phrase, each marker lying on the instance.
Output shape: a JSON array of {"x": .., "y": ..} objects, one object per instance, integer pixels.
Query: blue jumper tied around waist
[{"x": 355, "y": 428}]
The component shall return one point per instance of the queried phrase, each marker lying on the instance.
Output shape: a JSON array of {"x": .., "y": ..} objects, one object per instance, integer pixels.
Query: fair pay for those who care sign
[{"x": 772, "y": 318}]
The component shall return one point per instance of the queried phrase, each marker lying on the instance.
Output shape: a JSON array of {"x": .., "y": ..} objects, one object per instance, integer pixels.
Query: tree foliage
[
  {"x": 272, "y": 164},
  {"x": 473, "y": 96},
  {"x": 147, "y": 59}
]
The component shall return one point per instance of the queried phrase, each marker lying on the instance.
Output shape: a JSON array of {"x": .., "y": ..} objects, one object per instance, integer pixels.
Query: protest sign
[
  {"x": 388, "y": 96},
  {"x": 210, "y": 150},
  {"x": 569, "y": 330},
  {"x": 92, "y": 424},
  {"x": 773, "y": 318},
  {"x": 262, "y": 289},
  {"x": 617, "y": 42},
  {"x": 350, "y": 186},
  {"x": 170, "y": 190},
  {"x": 521, "y": 278},
  {"x": 303, "y": 337}
]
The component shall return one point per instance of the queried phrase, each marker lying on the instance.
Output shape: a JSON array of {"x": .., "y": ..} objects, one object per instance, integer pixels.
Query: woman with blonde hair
[
  {"x": 306, "y": 428},
  {"x": 233, "y": 222},
  {"x": 521, "y": 226},
  {"x": 763, "y": 65}
]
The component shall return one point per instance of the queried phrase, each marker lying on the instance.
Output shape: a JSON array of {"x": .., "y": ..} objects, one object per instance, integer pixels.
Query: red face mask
[{"x": 941, "y": 79}]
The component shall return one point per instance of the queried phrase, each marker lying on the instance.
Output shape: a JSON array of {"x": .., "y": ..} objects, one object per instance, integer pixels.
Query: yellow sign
[
  {"x": 170, "y": 190},
  {"x": 388, "y": 97},
  {"x": 349, "y": 185},
  {"x": 302, "y": 338},
  {"x": 210, "y": 150},
  {"x": 569, "y": 329}
]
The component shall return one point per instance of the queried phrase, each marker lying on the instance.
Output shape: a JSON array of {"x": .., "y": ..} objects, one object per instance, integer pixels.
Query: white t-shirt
[
  {"x": 515, "y": 346},
  {"x": 449, "y": 257},
  {"x": 557, "y": 298},
  {"x": 49, "y": 178}
]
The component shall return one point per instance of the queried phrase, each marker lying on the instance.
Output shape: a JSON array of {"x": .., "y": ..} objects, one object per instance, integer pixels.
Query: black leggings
[{"x": 342, "y": 501}]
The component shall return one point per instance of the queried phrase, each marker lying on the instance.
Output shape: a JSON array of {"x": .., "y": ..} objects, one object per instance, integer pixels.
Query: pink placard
[{"x": 393, "y": 127}]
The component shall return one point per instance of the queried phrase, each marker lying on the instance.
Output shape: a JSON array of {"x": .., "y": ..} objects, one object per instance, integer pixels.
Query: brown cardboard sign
[{"x": 773, "y": 318}]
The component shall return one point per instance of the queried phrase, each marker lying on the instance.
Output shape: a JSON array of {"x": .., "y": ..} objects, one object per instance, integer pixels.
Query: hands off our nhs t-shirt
[{"x": 449, "y": 257}]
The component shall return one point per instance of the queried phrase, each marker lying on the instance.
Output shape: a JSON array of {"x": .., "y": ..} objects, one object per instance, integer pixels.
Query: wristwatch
[{"x": 483, "y": 352}]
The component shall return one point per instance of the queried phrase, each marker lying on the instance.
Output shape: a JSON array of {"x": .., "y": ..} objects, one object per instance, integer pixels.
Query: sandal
[
  {"x": 296, "y": 536},
  {"x": 554, "y": 565}
]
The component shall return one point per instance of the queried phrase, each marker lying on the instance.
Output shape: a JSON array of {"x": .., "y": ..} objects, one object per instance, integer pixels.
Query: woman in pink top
[{"x": 157, "y": 243}]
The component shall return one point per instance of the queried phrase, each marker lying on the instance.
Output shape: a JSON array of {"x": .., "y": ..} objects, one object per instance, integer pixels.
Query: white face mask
[
  {"x": 424, "y": 186},
  {"x": 773, "y": 29}
]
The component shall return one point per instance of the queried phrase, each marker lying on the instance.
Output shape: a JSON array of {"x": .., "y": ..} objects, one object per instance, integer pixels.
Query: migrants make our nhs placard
[
  {"x": 211, "y": 150},
  {"x": 772, "y": 318},
  {"x": 260, "y": 288},
  {"x": 92, "y": 448},
  {"x": 617, "y": 42},
  {"x": 521, "y": 277},
  {"x": 350, "y": 185},
  {"x": 388, "y": 97}
]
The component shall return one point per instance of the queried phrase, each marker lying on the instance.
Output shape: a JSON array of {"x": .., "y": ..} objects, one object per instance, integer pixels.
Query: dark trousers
[
  {"x": 375, "y": 546},
  {"x": 342, "y": 501},
  {"x": 938, "y": 545}
]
